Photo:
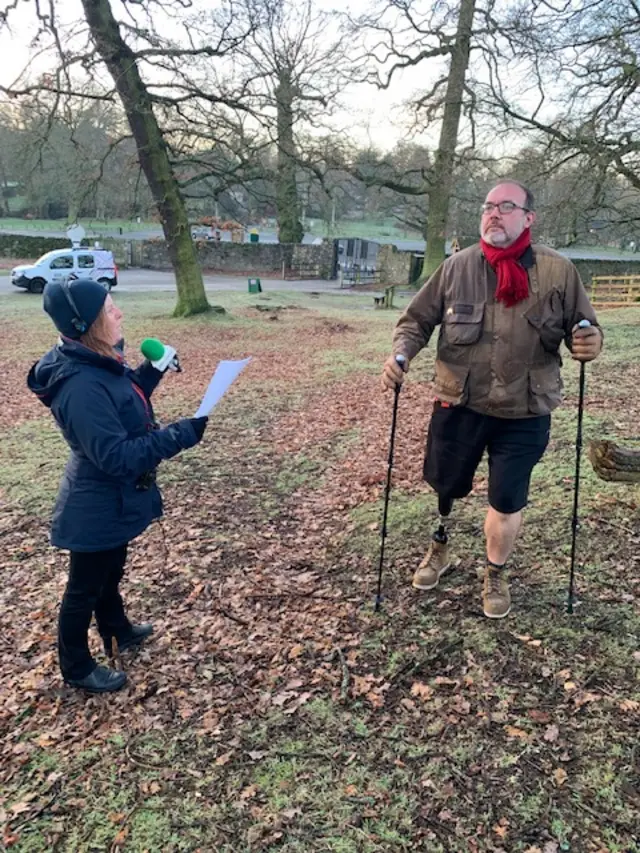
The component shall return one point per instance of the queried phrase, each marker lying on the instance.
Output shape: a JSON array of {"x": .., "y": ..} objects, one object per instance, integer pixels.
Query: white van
[{"x": 66, "y": 265}]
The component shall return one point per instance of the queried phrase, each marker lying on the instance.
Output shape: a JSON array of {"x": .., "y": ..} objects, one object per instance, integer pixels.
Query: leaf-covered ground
[{"x": 275, "y": 710}]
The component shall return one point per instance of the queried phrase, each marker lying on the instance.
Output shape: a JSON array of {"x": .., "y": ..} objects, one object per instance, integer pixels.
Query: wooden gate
[{"x": 615, "y": 291}]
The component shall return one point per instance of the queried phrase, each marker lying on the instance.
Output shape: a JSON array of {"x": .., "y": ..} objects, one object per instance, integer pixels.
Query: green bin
[
  {"x": 254, "y": 285},
  {"x": 254, "y": 237}
]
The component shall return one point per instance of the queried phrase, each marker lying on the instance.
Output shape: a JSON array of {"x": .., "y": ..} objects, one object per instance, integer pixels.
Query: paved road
[{"x": 131, "y": 281}]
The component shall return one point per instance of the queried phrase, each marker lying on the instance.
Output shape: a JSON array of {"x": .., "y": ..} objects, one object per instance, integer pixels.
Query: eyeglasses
[{"x": 503, "y": 207}]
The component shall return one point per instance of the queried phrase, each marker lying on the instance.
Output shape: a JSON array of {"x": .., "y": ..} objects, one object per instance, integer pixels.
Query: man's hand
[
  {"x": 585, "y": 343},
  {"x": 393, "y": 373}
]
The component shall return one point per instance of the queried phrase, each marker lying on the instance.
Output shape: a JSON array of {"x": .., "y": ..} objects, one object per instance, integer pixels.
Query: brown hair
[{"x": 96, "y": 337}]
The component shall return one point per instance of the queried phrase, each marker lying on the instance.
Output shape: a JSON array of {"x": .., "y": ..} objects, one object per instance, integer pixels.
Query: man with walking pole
[{"x": 504, "y": 306}]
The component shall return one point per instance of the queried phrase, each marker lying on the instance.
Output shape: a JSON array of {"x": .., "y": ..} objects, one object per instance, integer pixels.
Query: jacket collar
[
  {"x": 526, "y": 260},
  {"x": 83, "y": 355}
]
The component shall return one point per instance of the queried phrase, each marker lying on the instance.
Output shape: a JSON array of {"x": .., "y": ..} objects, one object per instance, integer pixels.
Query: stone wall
[
  {"x": 321, "y": 258},
  {"x": 393, "y": 265},
  {"x": 294, "y": 260}
]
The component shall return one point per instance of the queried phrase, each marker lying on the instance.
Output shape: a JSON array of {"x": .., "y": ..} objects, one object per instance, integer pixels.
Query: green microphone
[{"x": 161, "y": 356}]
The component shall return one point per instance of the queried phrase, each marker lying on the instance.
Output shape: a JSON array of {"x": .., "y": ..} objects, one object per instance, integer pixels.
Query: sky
[{"x": 369, "y": 116}]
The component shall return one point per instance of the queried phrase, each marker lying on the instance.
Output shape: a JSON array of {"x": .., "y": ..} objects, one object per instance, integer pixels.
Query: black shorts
[{"x": 457, "y": 439}]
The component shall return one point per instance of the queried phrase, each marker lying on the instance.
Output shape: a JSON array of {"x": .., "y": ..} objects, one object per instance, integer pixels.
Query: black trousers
[{"x": 92, "y": 588}]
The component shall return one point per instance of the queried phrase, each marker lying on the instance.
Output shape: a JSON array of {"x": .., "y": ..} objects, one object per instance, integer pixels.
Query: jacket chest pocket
[
  {"x": 546, "y": 317},
  {"x": 463, "y": 323}
]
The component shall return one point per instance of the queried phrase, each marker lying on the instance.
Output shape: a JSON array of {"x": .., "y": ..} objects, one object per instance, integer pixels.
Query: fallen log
[{"x": 615, "y": 463}]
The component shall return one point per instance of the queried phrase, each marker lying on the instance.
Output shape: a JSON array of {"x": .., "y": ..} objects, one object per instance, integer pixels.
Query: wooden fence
[{"x": 615, "y": 291}]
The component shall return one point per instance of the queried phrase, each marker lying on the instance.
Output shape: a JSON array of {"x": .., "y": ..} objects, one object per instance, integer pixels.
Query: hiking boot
[
  {"x": 100, "y": 680},
  {"x": 496, "y": 598},
  {"x": 138, "y": 634},
  {"x": 435, "y": 563}
]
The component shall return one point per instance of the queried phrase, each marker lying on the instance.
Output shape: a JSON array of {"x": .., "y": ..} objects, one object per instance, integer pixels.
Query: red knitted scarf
[{"x": 513, "y": 281}]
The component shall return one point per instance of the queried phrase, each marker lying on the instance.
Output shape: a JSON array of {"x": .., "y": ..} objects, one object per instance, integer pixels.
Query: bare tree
[
  {"x": 149, "y": 77},
  {"x": 295, "y": 65},
  {"x": 410, "y": 33},
  {"x": 285, "y": 78},
  {"x": 440, "y": 194},
  {"x": 565, "y": 74},
  {"x": 579, "y": 88},
  {"x": 152, "y": 150}
]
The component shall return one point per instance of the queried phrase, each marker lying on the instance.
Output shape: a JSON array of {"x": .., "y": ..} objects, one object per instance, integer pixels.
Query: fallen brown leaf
[
  {"x": 514, "y": 732},
  {"x": 421, "y": 690},
  {"x": 560, "y": 776}
]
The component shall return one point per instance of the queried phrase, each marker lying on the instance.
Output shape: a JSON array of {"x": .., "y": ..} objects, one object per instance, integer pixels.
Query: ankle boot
[
  {"x": 134, "y": 638},
  {"x": 101, "y": 680},
  {"x": 433, "y": 566}
]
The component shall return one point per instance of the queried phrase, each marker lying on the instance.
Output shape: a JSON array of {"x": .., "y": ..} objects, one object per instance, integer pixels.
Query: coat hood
[{"x": 65, "y": 360}]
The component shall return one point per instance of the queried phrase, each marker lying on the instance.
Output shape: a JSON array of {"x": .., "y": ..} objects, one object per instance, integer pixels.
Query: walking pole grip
[
  {"x": 583, "y": 324},
  {"x": 400, "y": 359}
]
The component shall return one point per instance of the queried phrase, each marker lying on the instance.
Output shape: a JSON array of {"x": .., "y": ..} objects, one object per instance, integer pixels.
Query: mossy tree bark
[
  {"x": 290, "y": 228},
  {"x": 153, "y": 154},
  {"x": 442, "y": 182}
]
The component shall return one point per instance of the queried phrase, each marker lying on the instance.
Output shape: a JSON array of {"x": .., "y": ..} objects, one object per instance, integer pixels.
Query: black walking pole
[
  {"x": 583, "y": 324},
  {"x": 400, "y": 360}
]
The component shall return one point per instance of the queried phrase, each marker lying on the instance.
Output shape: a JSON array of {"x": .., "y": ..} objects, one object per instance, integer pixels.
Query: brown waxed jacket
[{"x": 493, "y": 359}]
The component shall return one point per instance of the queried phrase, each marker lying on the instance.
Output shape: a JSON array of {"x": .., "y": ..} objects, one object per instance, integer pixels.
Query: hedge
[{"x": 23, "y": 246}]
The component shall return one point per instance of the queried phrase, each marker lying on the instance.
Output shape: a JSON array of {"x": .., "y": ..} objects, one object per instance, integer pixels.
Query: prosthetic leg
[{"x": 445, "y": 505}]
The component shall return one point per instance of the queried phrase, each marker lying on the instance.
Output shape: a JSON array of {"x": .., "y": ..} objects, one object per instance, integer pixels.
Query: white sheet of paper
[{"x": 226, "y": 373}]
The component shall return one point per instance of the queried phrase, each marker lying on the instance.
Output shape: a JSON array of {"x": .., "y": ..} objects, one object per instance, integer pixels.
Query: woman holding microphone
[{"x": 108, "y": 494}]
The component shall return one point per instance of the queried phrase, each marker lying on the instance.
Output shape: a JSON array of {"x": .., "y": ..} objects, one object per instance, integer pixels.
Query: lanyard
[{"x": 145, "y": 402}]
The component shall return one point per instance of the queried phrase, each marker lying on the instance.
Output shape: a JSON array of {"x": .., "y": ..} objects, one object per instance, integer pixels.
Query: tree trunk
[
  {"x": 152, "y": 153},
  {"x": 73, "y": 208},
  {"x": 440, "y": 191},
  {"x": 4, "y": 195},
  {"x": 287, "y": 203},
  {"x": 611, "y": 462}
]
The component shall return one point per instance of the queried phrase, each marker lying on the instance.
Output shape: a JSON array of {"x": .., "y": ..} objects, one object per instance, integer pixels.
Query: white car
[
  {"x": 201, "y": 232},
  {"x": 66, "y": 265}
]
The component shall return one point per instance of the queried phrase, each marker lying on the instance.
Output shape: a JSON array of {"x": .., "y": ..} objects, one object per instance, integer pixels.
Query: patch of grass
[
  {"x": 93, "y": 226},
  {"x": 307, "y": 469},
  {"x": 366, "y": 228},
  {"x": 338, "y": 363},
  {"x": 296, "y": 472},
  {"x": 407, "y": 514},
  {"x": 33, "y": 457}
]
